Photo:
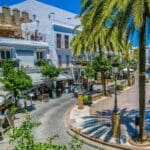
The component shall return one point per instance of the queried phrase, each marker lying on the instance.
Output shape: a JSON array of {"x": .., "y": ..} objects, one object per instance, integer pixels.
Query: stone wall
[{"x": 14, "y": 17}]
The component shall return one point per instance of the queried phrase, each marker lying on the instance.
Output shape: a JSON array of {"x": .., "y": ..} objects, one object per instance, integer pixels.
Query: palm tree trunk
[
  {"x": 103, "y": 82},
  {"x": 128, "y": 76},
  {"x": 102, "y": 72},
  {"x": 142, "y": 78}
]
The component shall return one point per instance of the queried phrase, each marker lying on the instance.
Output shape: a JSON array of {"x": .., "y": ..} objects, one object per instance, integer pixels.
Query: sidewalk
[{"x": 95, "y": 122}]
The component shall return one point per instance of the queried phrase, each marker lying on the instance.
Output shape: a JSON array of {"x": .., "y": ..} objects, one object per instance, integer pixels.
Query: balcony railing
[
  {"x": 80, "y": 62},
  {"x": 14, "y": 62}
]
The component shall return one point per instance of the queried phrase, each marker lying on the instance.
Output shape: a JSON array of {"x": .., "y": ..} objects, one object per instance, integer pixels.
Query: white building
[
  {"x": 52, "y": 25},
  {"x": 28, "y": 52}
]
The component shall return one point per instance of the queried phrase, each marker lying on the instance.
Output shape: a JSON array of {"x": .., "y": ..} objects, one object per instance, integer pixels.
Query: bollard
[
  {"x": 116, "y": 130},
  {"x": 80, "y": 101}
]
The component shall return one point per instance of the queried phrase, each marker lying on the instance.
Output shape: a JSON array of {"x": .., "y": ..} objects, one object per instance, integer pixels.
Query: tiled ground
[{"x": 97, "y": 122}]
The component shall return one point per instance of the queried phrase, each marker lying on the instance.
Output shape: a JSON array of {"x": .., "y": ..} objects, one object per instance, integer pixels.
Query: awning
[
  {"x": 68, "y": 76},
  {"x": 36, "y": 78},
  {"x": 19, "y": 42},
  {"x": 63, "y": 77}
]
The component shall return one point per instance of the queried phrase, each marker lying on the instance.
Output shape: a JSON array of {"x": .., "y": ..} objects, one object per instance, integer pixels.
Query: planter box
[{"x": 96, "y": 96}]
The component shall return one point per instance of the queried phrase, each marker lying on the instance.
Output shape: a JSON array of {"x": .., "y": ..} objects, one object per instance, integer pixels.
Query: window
[
  {"x": 39, "y": 55},
  {"x": 67, "y": 60},
  {"x": 59, "y": 60},
  {"x": 2, "y": 55},
  {"x": 58, "y": 36},
  {"x": 66, "y": 41},
  {"x": 5, "y": 54}
]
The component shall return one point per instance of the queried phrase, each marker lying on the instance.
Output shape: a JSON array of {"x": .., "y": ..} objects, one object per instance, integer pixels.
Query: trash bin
[
  {"x": 54, "y": 94},
  {"x": 21, "y": 103}
]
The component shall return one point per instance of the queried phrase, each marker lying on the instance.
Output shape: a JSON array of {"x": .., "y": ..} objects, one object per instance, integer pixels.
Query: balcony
[
  {"x": 40, "y": 62},
  {"x": 14, "y": 62}
]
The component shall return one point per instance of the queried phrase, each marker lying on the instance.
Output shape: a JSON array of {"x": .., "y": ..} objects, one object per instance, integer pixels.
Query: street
[{"x": 51, "y": 115}]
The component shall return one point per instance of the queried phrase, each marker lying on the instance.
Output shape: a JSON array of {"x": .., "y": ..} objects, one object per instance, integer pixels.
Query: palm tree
[
  {"x": 128, "y": 16},
  {"x": 128, "y": 55},
  {"x": 92, "y": 42}
]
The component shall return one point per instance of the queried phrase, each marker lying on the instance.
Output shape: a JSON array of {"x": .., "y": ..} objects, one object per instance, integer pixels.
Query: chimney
[
  {"x": 7, "y": 16},
  {"x": 16, "y": 14},
  {"x": 25, "y": 16},
  {"x": 1, "y": 18}
]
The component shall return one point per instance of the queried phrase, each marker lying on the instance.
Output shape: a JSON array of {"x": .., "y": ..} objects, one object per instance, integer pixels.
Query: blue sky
[{"x": 70, "y": 5}]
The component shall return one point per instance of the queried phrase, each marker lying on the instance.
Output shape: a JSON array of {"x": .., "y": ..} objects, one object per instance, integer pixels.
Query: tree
[
  {"x": 49, "y": 71},
  {"x": 91, "y": 42},
  {"x": 128, "y": 19},
  {"x": 105, "y": 68},
  {"x": 15, "y": 80},
  {"x": 127, "y": 54},
  {"x": 89, "y": 72},
  {"x": 7, "y": 68}
]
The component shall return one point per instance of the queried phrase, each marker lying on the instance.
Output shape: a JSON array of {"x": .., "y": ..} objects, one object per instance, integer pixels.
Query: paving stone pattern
[{"x": 95, "y": 121}]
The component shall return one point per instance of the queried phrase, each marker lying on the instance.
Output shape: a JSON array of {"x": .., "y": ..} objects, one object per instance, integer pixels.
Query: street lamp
[
  {"x": 116, "y": 129},
  {"x": 31, "y": 95},
  {"x": 115, "y": 70}
]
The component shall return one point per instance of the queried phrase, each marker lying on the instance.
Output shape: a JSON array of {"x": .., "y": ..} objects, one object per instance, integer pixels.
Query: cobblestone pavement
[
  {"x": 51, "y": 116},
  {"x": 97, "y": 122}
]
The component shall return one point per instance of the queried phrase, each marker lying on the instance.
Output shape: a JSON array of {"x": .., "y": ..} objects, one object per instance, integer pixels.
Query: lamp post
[
  {"x": 31, "y": 95},
  {"x": 116, "y": 130}
]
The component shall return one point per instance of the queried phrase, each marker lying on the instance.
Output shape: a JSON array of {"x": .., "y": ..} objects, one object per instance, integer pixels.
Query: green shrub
[
  {"x": 13, "y": 110},
  {"x": 85, "y": 99},
  {"x": 22, "y": 138},
  {"x": 120, "y": 87}
]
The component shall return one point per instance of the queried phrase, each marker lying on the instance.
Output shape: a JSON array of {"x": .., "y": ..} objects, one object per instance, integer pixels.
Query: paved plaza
[{"x": 95, "y": 121}]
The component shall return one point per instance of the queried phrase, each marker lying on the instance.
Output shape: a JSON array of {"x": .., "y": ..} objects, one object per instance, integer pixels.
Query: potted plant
[
  {"x": 119, "y": 87},
  {"x": 86, "y": 99}
]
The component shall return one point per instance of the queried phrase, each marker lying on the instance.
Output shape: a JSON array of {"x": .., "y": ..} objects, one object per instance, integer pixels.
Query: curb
[{"x": 95, "y": 143}]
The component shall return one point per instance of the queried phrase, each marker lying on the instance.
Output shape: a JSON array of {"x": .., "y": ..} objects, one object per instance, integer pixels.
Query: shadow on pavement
[{"x": 98, "y": 125}]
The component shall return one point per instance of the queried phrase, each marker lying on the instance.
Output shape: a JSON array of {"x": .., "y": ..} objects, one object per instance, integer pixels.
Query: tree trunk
[
  {"x": 102, "y": 72},
  {"x": 128, "y": 76},
  {"x": 103, "y": 82},
  {"x": 95, "y": 76},
  {"x": 142, "y": 79}
]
